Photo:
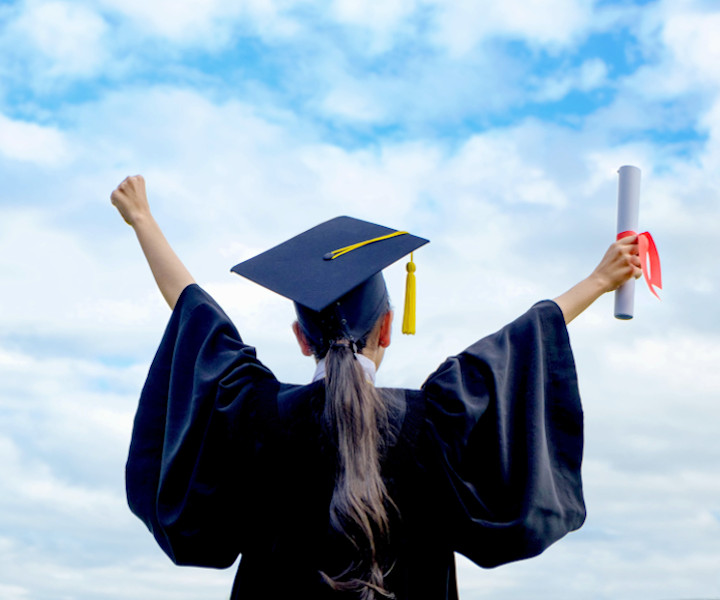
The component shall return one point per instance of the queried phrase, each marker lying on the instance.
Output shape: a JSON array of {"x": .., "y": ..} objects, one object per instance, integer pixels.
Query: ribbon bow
[{"x": 649, "y": 259}]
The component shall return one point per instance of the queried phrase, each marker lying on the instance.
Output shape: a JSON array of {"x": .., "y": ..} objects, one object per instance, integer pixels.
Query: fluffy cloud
[
  {"x": 591, "y": 75},
  {"x": 55, "y": 40},
  {"x": 211, "y": 24},
  {"x": 29, "y": 142},
  {"x": 381, "y": 22},
  {"x": 464, "y": 24},
  {"x": 689, "y": 36}
]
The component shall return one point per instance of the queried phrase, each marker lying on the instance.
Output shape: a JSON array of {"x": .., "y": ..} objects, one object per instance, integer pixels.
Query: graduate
[{"x": 335, "y": 488}]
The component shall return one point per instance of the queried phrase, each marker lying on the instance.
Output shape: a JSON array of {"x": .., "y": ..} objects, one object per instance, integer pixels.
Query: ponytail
[{"x": 357, "y": 416}]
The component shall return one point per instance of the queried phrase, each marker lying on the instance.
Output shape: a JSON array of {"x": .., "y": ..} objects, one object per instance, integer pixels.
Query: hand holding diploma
[
  {"x": 627, "y": 225},
  {"x": 620, "y": 264},
  {"x": 627, "y": 259}
]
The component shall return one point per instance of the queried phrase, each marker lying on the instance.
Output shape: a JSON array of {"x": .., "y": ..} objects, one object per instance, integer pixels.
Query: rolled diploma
[{"x": 628, "y": 210}]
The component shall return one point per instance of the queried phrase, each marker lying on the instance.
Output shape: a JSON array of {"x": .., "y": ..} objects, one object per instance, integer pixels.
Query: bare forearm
[
  {"x": 579, "y": 297},
  {"x": 168, "y": 270},
  {"x": 170, "y": 274}
]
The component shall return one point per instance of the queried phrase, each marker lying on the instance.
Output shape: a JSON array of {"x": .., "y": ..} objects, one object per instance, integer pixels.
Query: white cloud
[
  {"x": 382, "y": 16},
  {"x": 32, "y": 487},
  {"x": 692, "y": 358},
  {"x": 368, "y": 182},
  {"x": 138, "y": 573},
  {"x": 683, "y": 49},
  {"x": 412, "y": 90},
  {"x": 590, "y": 75},
  {"x": 29, "y": 142},
  {"x": 487, "y": 163},
  {"x": 351, "y": 102},
  {"x": 710, "y": 124},
  {"x": 462, "y": 25},
  {"x": 59, "y": 278},
  {"x": 68, "y": 38},
  {"x": 690, "y": 35},
  {"x": 378, "y": 25},
  {"x": 207, "y": 23}
]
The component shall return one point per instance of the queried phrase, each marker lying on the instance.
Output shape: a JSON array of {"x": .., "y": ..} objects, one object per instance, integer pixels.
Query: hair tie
[{"x": 337, "y": 344}]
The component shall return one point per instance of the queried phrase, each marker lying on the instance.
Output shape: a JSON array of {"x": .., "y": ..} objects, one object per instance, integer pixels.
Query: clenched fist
[{"x": 131, "y": 200}]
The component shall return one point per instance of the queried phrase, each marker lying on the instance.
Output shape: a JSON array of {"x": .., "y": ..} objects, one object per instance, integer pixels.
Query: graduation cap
[{"x": 333, "y": 273}]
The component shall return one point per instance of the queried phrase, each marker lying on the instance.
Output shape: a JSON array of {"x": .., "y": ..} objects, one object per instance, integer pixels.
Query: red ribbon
[{"x": 649, "y": 259}]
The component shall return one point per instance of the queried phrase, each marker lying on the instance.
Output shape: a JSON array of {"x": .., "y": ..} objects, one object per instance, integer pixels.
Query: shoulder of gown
[
  {"x": 198, "y": 424},
  {"x": 504, "y": 429}
]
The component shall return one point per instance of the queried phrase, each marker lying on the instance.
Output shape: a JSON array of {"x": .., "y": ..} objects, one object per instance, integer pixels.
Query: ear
[
  {"x": 302, "y": 340},
  {"x": 386, "y": 330}
]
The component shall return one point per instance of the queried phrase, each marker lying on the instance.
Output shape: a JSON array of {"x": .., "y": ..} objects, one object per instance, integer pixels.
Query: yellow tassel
[{"x": 409, "y": 314}]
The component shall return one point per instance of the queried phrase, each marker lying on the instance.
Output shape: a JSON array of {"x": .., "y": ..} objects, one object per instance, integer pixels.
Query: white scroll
[{"x": 627, "y": 220}]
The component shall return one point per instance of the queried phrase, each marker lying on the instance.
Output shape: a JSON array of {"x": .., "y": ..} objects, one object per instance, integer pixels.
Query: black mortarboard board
[{"x": 302, "y": 269}]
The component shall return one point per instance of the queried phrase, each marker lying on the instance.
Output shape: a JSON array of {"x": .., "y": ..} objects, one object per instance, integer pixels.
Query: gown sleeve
[
  {"x": 505, "y": 423},
  {"x": 197, "y": 427}
]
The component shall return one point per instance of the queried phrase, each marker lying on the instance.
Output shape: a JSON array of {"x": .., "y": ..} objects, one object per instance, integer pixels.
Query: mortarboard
[{"x": 335, "y": 265}]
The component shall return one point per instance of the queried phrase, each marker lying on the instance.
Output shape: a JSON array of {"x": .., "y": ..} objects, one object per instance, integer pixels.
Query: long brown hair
[{"x": 357, "y": 417}]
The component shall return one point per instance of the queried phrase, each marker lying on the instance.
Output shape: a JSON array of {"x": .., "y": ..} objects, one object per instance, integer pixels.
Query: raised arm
[
  {"x": 170, "y": 274},
  {"x": 620, "y": 263}
]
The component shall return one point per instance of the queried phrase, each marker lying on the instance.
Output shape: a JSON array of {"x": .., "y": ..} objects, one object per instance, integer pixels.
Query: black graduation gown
[{"x": 226, "y": 460}]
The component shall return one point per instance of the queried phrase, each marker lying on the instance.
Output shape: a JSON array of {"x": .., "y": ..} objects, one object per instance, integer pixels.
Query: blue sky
[{"x": 494, "y": 129}]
